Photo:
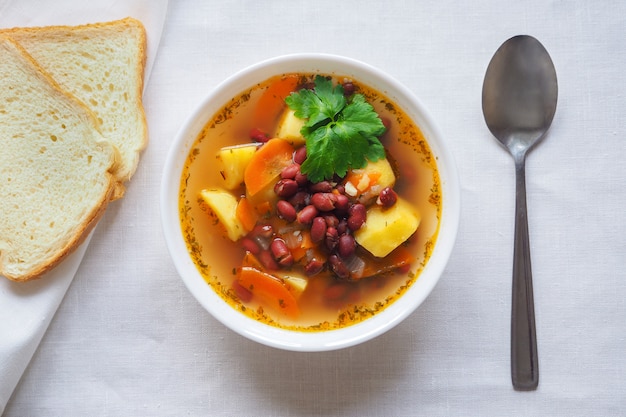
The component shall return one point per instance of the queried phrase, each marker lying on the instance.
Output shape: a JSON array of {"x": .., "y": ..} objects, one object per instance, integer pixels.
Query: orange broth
[{"x": 327, "y": 303}]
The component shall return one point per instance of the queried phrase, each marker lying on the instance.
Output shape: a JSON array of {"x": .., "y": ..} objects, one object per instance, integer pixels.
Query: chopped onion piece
[
  {"x": 351, "y": 189},
  {"x": 355, "y": 265}
]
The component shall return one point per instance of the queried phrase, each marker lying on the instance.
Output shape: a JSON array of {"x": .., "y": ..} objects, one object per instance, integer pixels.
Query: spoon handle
[{"x": 524, "y": 362}]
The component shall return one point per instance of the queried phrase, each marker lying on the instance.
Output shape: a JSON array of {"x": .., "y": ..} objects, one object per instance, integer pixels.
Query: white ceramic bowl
[{"x": 332, "y": 339}]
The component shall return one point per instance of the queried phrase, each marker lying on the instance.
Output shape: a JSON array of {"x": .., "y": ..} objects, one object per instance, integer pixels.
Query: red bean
[
  {"x": 250, "y": 245},
  {"x": 263, "y": 230},
  {"x": 332, "y": 238},
  {"x": 346, "y": 246},
  {"x": 290, "y": 171},
  {"x": 301, "y": 179},
  {"x": 281, "y": 252},
  {"x": 261, "y": 234},
  {"x": 387, "y": 197},
  {"x": 318, "y": 229},
  {"x": 286, "y": 211},
  {"x": 357, "y": 208},
  {"x": 336, "y": 291},
  {"x": 307, "y": 214},
  {"x": 331, "y": 220},
  {"x": 267, "y": 260},
  {"x": 261, "y": 242},
  {"x": 242, "y": 292},
  {"x": 286, "y": 188},
  {"x": 314, "y": 266},
  {"x": 342, "y": 203},
  {"x": 356, "y": 216},
  {"x": 258, "y": 135},
  {"x": 321, "y": 187},
  {"x": 342, "y": 227},
  {"x": 299, "y": 155},
  {"x": 338, "y": 267},
  {"x": 287, "y": 261},
  {"x": 348, "y": 88},
  {"x": 299, "y": 199},
  {"x": 324, "y": 201}
]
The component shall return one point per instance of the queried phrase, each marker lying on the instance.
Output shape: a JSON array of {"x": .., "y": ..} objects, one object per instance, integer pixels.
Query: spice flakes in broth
[{"x": 326, "y": 302}]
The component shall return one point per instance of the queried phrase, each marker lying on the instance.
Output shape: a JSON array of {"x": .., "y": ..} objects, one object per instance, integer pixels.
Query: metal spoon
[{"x": 519, "y": 100}]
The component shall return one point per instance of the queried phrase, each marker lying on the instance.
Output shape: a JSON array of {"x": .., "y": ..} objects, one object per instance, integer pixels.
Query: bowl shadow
[{"x": 333, "y": 382}]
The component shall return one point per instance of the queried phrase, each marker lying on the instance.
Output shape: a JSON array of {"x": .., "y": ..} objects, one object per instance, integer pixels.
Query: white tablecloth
[{"x": 129, "y": 340}]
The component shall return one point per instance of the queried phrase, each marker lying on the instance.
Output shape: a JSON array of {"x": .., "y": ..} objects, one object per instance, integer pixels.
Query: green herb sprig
[{"x": 341, "y": 133}]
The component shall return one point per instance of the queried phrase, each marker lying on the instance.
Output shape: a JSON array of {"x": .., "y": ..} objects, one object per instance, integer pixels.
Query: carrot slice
[
  {"x": 264, "y": 208},
  {"x": 265, "y": 166},
  {"x": 399, "y": 258},
  {"x": 360, "y": 182},
  {"x": 249, "y": 260},
  {"x": 271, "y": 290},
  {"x": 305, "y": 244},
  {"x": 272, "y": 103},
  {"x": 246, "y": 214}
]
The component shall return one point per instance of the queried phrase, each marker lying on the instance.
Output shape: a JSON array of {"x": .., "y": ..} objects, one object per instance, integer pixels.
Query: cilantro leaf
[
  {"x": 340, "y": 133},
  {"x": 318, "y": 106}
]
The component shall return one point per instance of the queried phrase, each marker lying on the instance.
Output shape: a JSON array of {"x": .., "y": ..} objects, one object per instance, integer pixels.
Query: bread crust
[
  {"x": 81, "y": 230},
  {"x": 71, "y": 246}
]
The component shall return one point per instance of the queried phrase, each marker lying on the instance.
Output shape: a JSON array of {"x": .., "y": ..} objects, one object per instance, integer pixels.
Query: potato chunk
[
  {"x": 289, "y": 128},
  {"x": 232, "y": 163},
  {"x": 296, "y": 285},
  {"x": 386, "y": 229},
  {"x": 224, "y": 205}
]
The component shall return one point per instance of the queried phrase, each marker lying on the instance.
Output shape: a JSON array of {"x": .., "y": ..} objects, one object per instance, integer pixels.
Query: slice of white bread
[
  {"x": 55, "y": 168},
  {"x": 103, "y": 65}
]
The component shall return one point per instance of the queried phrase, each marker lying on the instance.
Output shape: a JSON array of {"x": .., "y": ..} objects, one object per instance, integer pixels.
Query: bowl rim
[{"x": 293, "y": 340}]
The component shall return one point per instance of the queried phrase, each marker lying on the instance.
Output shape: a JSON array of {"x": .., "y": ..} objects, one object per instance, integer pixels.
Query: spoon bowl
[
  {"x": 520, "y": 93},
  {"x": 519, "y": 101}
]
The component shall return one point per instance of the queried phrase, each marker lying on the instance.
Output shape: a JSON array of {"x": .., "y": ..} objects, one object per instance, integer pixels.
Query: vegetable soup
[{"x": 310, "y": 202}]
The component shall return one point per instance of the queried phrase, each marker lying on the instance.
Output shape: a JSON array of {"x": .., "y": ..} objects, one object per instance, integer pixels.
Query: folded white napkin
[{"x": 26, "y": 309}]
